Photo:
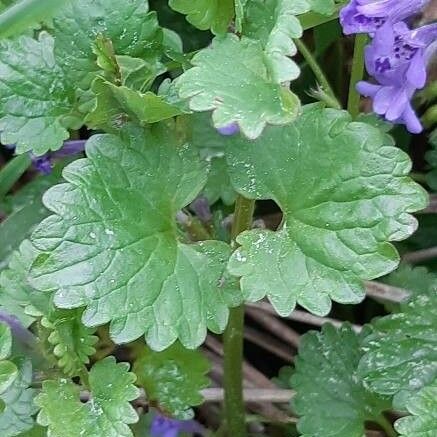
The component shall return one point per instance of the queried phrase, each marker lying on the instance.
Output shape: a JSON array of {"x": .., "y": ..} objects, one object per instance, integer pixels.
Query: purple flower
[
  {"x": 397, "y": 58},
  {"x": 162, "y": 426},
  {"x": 44, "y": 163},
  {"x": 229, "y": 129},
  {"x": 367, "y": 16}
]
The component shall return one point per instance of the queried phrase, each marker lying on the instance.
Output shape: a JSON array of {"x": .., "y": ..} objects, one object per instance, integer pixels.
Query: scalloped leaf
[
  {"x": 231, "y": 78},
  {"x": 34, "y": 98},
  {"x": 106, "y": 414},
  {"x": 206, "y": 14},
  {"x": 344, "y": 193},
  {"x": 72, "y": 342},
  {"x": 330, "y": 398},
  {"x": 401, "y": 353},
  {"x": 18, "y": 400},
  {"x": 423, "y": 410},
  {"x": 173, "y": 378},
  {"x": 133, "y": 30},
  {"x": 112, "y": 247},
  {"x": 275, "y": 25}
]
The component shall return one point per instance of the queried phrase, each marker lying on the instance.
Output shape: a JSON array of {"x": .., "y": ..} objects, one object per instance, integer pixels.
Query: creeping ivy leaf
[
  {"x": 329, "y": 396},
  {"x": 72, "y": 342},
  {"x": 8, "y": 370},
  {"x": 117, "y": 104},
  {"x": 274, "y": 23},
  {"x": 206, "y": 14},
  {"x": 423, "y": 407},
  {"x": 33, "y": 95},
  {"x": 344, "y": 194},
  {"x": 173, "y": 378},
  {"x": 106, "y": 414},
  {"x": 232, "y": 79},
  {"x": 5, "y": 341},
  {"x": 18, "y": 400},
  {"x": 401, "y": 354},
  {"x": 14, "y": 288},
  {"x": 325, "y": 7},
  {"x": 133, "y": 30},
  {"x": 112, "y": 246}
]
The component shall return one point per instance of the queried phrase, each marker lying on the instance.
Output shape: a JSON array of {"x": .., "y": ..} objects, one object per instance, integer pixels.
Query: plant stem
[
  {"x": 386, "y": 426},
  {"x": 353, "y": 105},
  {"x": 318, "y": 72},
  {"x": 233, "y": 338},
  {"x": 12, "y": 171}
]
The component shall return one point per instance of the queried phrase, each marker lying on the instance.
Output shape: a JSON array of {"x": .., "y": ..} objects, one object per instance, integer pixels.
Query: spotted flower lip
[
  {"x": 367, "y": 16},
  {"x": 397, "y": 58}
]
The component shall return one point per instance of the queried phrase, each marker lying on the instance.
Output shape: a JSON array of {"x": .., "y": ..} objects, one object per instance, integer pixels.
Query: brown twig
[
  {"x": 268, "y": 343},
  {"x": 385, "y": 292},
  {"x": 276, "y": 327},
  {"x": 420, "y": 255},
  {"x": 276, "y": 395}
]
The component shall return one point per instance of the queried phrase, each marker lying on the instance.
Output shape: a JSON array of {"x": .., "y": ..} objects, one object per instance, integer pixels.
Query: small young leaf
[
  {"x": 274, "y": 24},
  {"x": 112, "y": 244},
  {"x": 72, "y": 342},
  {"x": 232, "y": 79},
  {"x": 33, "y": 95},
  {"x": 117, "y": 104},
  {"x": 401, "y": 353},
  {"x": 173, "y": 378},
  {"x": 8, "y": 373},
  {"x": 5, "y": 341},
  {"x": 330, "y": 397},
  {"x": 18, "y": 400},
  {"x": 133, "y": 30},
  {"x": 340, "y": 210},
  {"x": 206, "y": 14},
  {"x": 106, "y": 414},
  {"x": 423, "y": 410}
]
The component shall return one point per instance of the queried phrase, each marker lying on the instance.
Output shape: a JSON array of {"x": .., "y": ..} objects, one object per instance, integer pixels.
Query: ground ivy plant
[{"x": 153, "y": 159}]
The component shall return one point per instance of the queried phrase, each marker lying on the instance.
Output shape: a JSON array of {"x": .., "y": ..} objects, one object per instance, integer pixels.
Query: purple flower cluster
[
  {"x": 163, "y": 426},
  {"x": 397, "y": 57}
]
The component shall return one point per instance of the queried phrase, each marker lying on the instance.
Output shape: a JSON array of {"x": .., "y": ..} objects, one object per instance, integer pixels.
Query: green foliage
[
  {"x": 106, "y": 414},
  {"x": 173, "y": 378},
  {"x": 231, "y": 78},
  {"x": 340, "y": 210},
  {"x": 34, "y": 99},
  {"x": 331, "y": 399},
  {"x": 18, "y": 400},
  {"x": 275, "y": 25},
  {"x": 401, "y": 353},
  {"x": 423, "y": 410},
  {"x": 8, "y": 370},
  {"x": 142, "y": 279},
  {"x": 206, "y": 14}
]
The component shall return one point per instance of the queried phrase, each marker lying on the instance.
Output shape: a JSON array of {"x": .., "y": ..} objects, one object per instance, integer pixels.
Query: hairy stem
[
  {"x": 353, "y": 104},
  {"x": 318, "y": 72},
  {"x": 233, "y": 338}
]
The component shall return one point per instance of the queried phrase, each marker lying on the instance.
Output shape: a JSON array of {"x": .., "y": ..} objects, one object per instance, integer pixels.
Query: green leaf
[
  {"x": 5, "y": 341},
  {"x": 423, "y": 421},
  {"x": 72, "y": 342},
  {"x": 33, "y": 95},
  {"x": 173, "y": 378},
  {"x": 15, "y": 291},
  {"x": 11, "y": 172},
  {"x": 401, "y": 353},
  {"x": 324, "y": 7},
  {"x": 206, "y": 14},
  {"x": 133, "y": 30},
  {"x": 330, "y": 398},
  {"x": 117, "y": 104},
  {"x": 232, "y": 79},
  {"x": 344, "y": 193},
  {"x": 112, "y": 245},
  {"x": 218, "y": 186},
  {"x": 274, "y": 24},
  {"x": 18, "y": 400},
  {"x": 106, "y": 414},
  {"x": 8, "y": 373},
  {"x": 239, "y": 14},
  {"x": 25, "y": 210},
  {"x": 26, "y": 13}
]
